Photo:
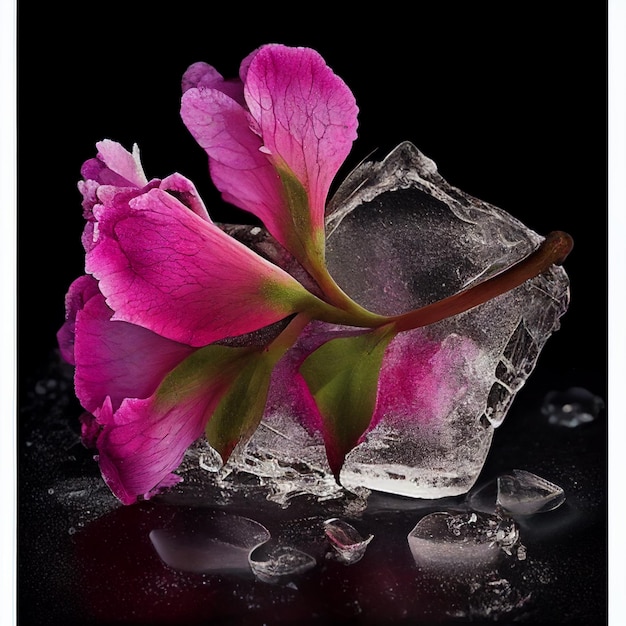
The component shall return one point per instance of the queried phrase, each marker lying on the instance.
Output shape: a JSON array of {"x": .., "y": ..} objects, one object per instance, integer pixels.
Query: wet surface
[{"x": 85, "y": 559}]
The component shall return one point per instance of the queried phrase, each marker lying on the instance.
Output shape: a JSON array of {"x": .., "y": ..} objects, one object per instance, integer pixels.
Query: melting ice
[
  {"x": 346, "y": 540},
  {"x": 399, "y": 237},
  {"x": 463, "y": 540},
  {"x": 571, "y": 408}
]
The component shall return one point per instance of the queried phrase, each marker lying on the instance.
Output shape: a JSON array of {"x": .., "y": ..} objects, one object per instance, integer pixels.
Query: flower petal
[
  {"x": 144, "y": 440},
  {"x": 306, "y": 115},
  {"x": 118, "y": 359},
  {"x": 204, "y": 75},
  {"x": 238, "y": 168},
  {"x": 81, "y": 291},
  {"x": 162, "y": 267}
]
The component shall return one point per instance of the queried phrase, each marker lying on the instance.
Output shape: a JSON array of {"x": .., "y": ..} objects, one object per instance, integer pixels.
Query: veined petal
[
  {"x": 185, "y": 191},
  {"x": 139, "y": 446},
  {"x": 238, "y": 168},
  {"x": 204, "y": 75},
  {"x": 144, "y": 440},
  {"x": 118, "y": 359},
  {"x": 162, "y": 267},
  {"x": 113, "y": 165},
  {"x": 306, "y": 115},
  {"x": 81, "y": 291}
]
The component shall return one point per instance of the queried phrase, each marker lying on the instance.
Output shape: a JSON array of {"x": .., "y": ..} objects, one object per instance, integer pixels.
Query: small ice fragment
[
  {"x": 462, "y": 540},
  {"x": 212, "y": 543},
  {"x": 572, "y": 407},
  {"x": 346, "y": 540},
  {"x": 524, "y": 493},
  {"x": 272, "y": 564}
]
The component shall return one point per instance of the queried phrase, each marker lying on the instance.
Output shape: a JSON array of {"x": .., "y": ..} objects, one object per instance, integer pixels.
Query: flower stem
[{"x": 553, "y": 250}]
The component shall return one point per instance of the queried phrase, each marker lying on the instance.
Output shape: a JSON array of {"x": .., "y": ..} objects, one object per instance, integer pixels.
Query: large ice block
[{"x": 400, "y": 237}]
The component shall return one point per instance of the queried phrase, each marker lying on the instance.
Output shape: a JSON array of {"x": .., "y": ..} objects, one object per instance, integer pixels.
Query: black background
[
  {"x": 511, "y": 105},
  {"x": 508, "y": 99}
]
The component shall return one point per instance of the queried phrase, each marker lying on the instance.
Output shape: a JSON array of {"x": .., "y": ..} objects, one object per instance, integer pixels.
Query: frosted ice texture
[
  {"x": 346, "y": 541},
  {"x": 524, "y": 493},
  {"x": 215, "y": 542},
  {"x": 399, "y": 237},
  {"x": 465, "y": 539},
  {"x": 274, "y": 564}
]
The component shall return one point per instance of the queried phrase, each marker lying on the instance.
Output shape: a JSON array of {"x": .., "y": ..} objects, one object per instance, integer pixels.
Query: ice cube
[
  {"x": 468, "y": 539},
  {"x": 276, "y": 563},
  {"x": 346, "y": 540},
  {"x": 399, "y": 237},
  {"x": 572, "y": 407},
  {"x": 524, "y": 493},
  {"x": 209, "y": 542}
]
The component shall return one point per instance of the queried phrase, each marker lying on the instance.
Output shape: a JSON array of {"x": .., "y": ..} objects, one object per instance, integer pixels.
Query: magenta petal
[
  {"x": 81, "y": 291},
  {"x": 307, "y": 116},
  {"x": 204, "y": 75},
  {"x": 238, "y": 168},
  {"x": 118, "y": 359},
  {"x": 421, "y": 378},
  {"x": 162, "y": 267},
  {"x": 144, "y": 441},
  {"x": 114, "y": 165},
  {"x": 185, "y": 191}
]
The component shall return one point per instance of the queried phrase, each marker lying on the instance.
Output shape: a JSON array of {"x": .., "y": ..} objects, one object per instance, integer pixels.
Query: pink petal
[
  {"x": 306, "y": 115},
  {"x": 185, "y": 191},
  {"x": 238, "y": 168},
  {"x": 142, "y": 442},
  {"x": 162, "y": 267},
  {"x": 421, "y": 379},
  {"x": 114, "y": 165},
  {"x": 118, "y": 359},
  {"x": 81, "y": 291},
  {"x": 204, "y": 75}
]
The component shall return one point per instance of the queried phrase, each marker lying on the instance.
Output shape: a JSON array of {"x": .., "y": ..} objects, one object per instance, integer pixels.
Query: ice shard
[
  {"x": 346, "y": 541},
  {"x": 445, "y": 540},
  {"x": 209, "y": 542},
  {"x": 277, "y": 563},
  {"x": 400, "y": 237},
  {"x": 524, "y": 493}
]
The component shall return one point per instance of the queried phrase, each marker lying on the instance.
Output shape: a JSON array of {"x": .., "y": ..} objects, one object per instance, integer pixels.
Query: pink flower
[
  {"x": 165, "y": 287},
  {"x": 162, "y": 281},
  {"x": 275, "y": 139}
]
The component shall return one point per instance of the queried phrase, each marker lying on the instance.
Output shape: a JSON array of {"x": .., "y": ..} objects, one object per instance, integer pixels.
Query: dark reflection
[{"x": 176, "y": 560}]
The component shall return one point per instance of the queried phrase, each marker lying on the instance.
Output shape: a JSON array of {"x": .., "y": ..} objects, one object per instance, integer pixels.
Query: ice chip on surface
[
  {"x": 524, "y": 493},
  {"x": 444, "y": 540},
  {"x": 276, "y": 563},
  {"x": 572, "y": 407},
  {"x": 212, "y": 542},
  {"x": 346, "y": 540},
  {"x": 399, "y": 237}
]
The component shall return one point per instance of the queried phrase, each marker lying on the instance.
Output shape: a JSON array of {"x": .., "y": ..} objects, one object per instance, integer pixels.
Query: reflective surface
[{"x": 183, "y": 557}]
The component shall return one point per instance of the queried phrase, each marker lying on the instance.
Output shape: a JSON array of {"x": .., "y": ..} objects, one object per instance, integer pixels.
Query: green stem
[{"x": 553, "y": 250}]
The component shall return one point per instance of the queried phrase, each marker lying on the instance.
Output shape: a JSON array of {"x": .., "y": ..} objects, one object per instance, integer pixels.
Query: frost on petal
[
  {"x": 162, "y": 267},
  {"x": 306, "y": 114},
  {"x": 118, "y": 359}
]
